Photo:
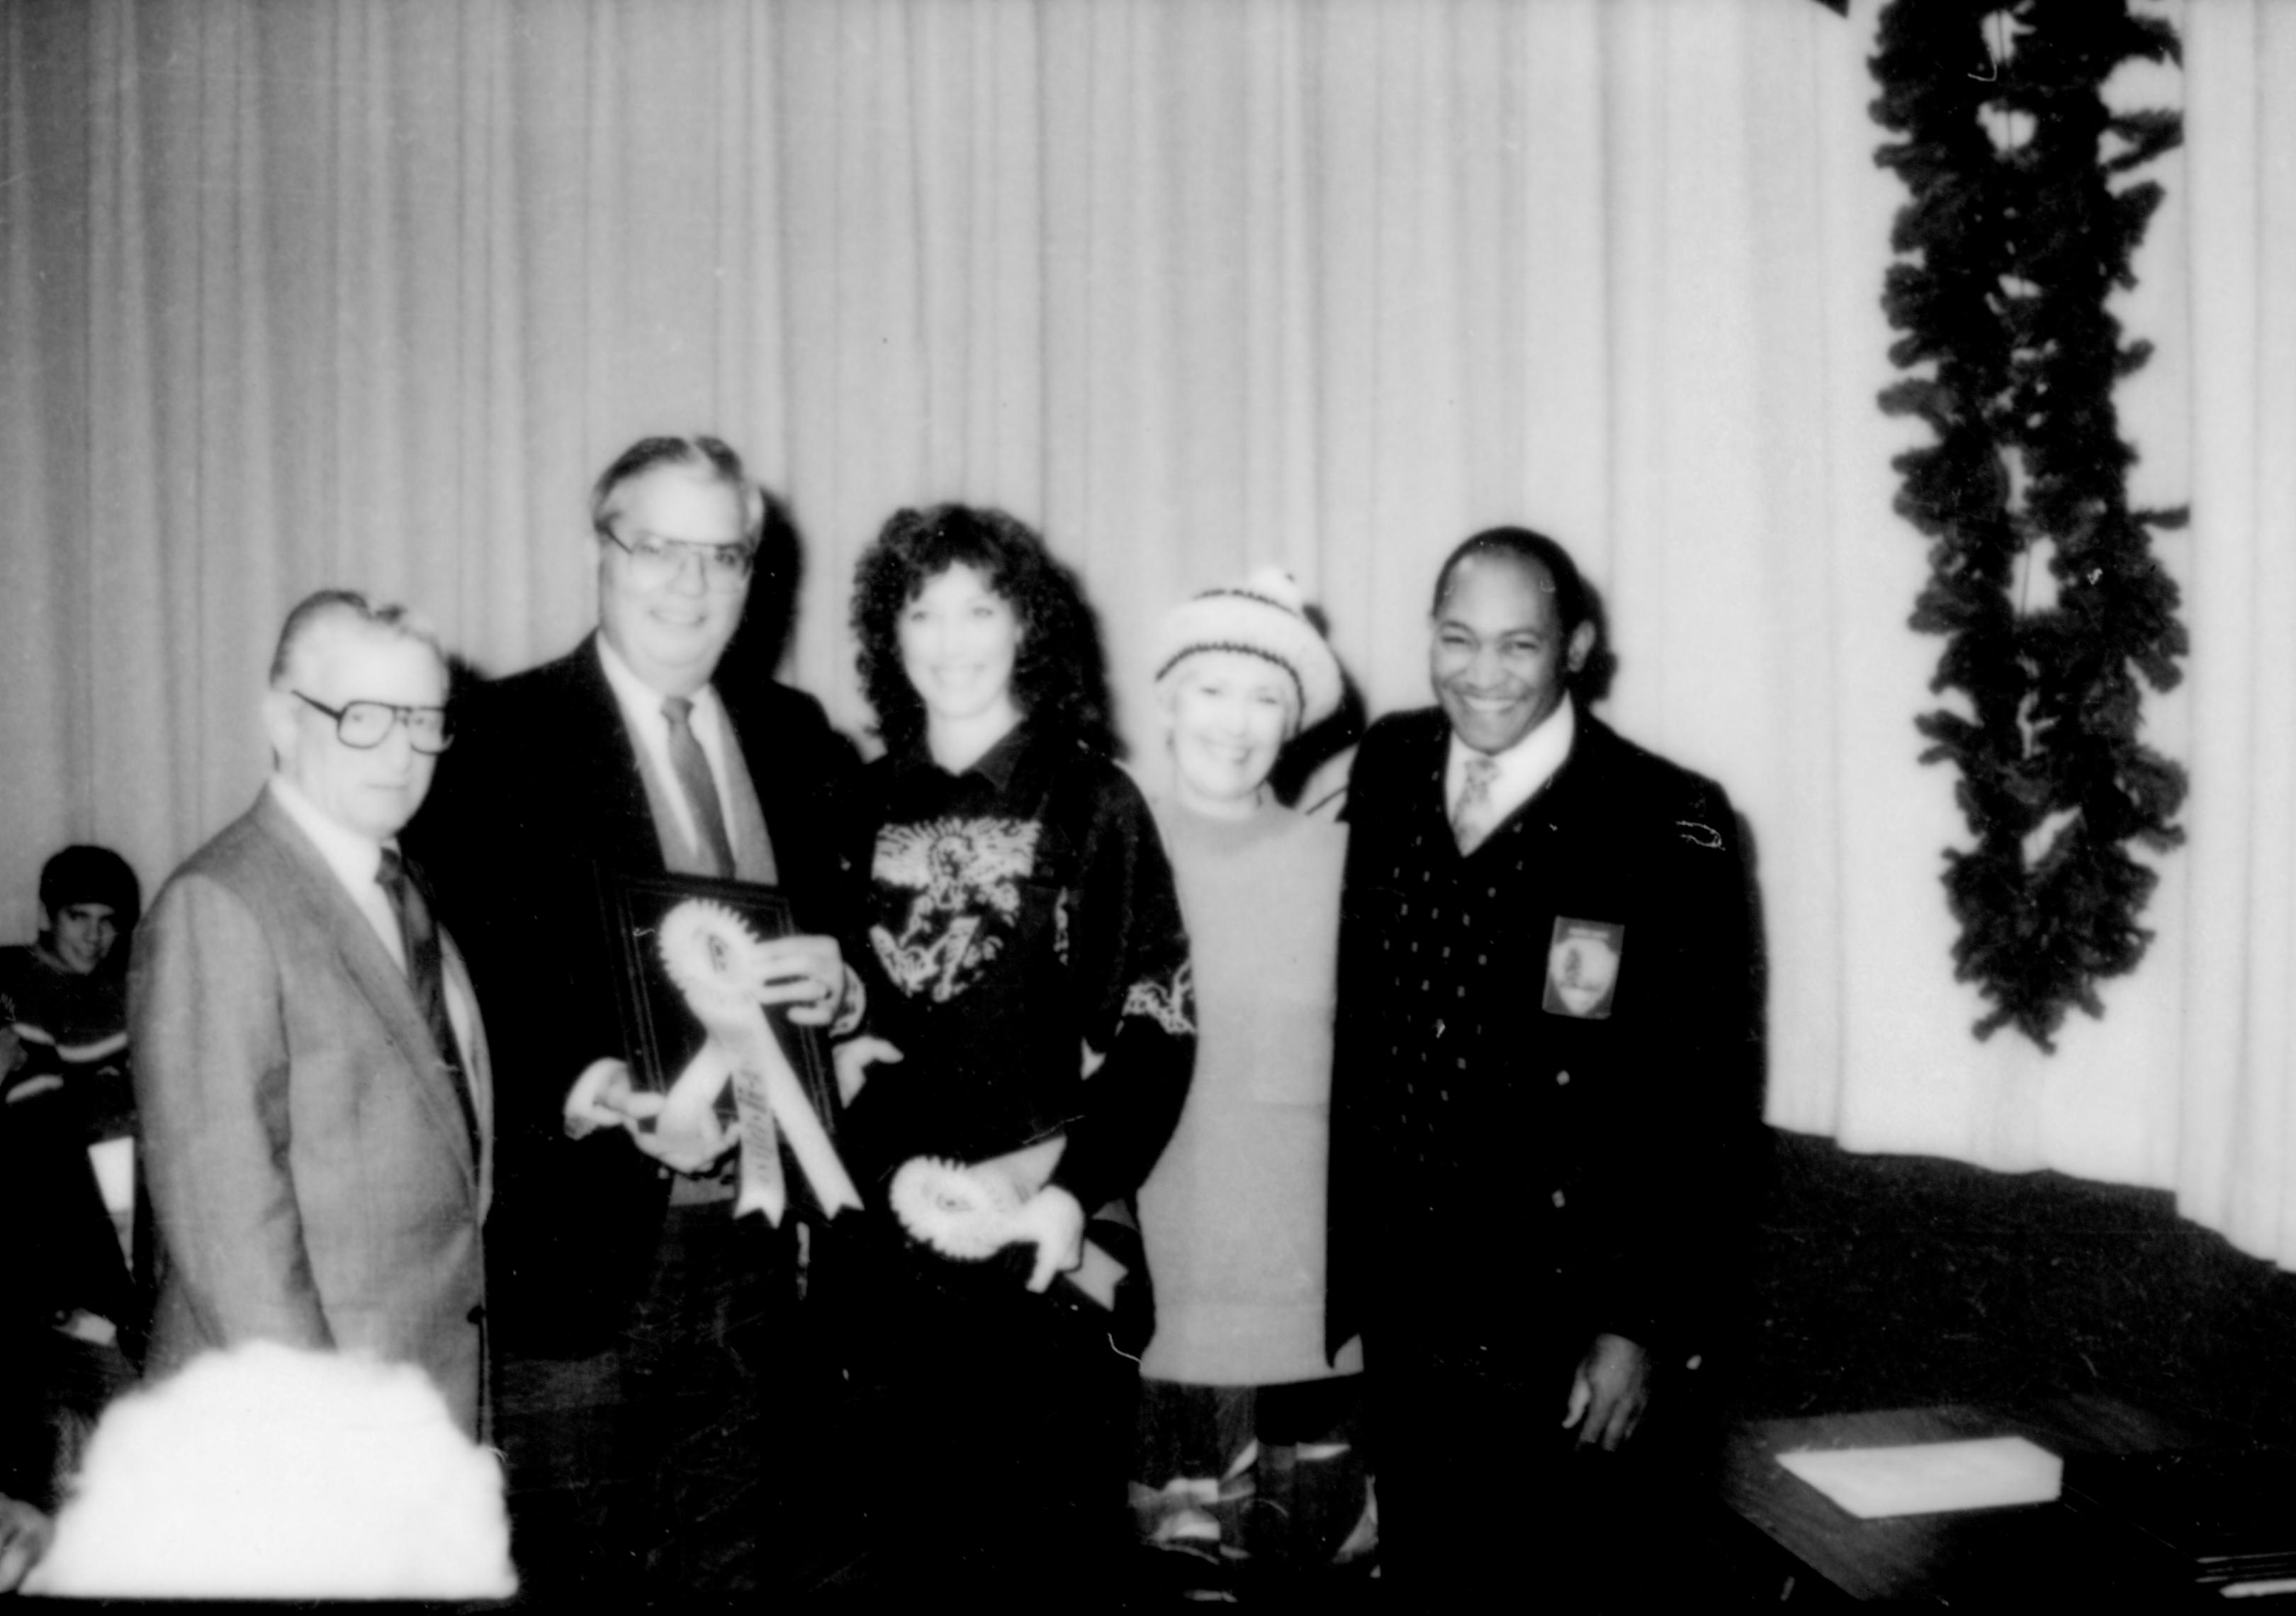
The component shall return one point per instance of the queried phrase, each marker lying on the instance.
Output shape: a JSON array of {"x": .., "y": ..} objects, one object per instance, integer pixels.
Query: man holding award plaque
[
  {"x": 652, "y": 1232},
  {"x": 1546, "y": 1054}
]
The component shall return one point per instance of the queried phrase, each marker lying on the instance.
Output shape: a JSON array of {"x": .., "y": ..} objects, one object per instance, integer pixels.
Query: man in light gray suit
[{"x": 310, "y": 1066}]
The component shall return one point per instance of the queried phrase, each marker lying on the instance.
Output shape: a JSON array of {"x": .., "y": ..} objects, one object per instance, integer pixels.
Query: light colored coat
[{"x": 312, "y": 1175}]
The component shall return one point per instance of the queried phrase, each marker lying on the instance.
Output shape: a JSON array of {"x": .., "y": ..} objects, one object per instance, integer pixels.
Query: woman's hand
[
  {"x": 1055, "y": 1222},
  {"x": 853, "y": 1058}
]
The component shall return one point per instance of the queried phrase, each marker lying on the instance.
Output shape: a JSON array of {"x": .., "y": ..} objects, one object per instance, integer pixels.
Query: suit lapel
[
  {"x": 330, "y": 911},
  {"x": 751, "y": 729},
  {"x": 1565, "y": 795},
  {"x": 611, "y": 772},
  {"x": 478, "y": 1070},
  {"x": 1552, "y": 802},
  {"x": 1433, "y": 763},
  {"x": 746, "y": 729}
]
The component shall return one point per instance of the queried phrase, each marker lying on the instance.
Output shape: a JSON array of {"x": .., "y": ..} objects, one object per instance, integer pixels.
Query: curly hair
[{"x": 1060, "y": 679}]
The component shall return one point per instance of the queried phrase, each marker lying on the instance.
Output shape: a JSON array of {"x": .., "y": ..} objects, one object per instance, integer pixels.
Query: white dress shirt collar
[
  {"x": 642, "y": 715},
  {"x": 356, "y": 860},
  {"x": 353, "y": 857},
  {"x": 1523, "y": 768}
]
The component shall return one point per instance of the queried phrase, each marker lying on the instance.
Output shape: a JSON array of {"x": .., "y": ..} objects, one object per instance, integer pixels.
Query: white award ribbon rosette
[{"x": 714, "y": 959}]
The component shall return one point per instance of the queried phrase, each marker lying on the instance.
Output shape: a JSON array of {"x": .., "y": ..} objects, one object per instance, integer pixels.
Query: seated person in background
[
  {"x": 73, "y": 1318},
  {"x": 1246, "y": 1455},
  {"x": 72, "y": 984},
  {"x": 69, "y": 989}
]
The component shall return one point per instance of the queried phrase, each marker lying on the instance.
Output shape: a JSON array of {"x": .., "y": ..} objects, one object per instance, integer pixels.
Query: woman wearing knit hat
[{"x": 1246, "y": 1461}]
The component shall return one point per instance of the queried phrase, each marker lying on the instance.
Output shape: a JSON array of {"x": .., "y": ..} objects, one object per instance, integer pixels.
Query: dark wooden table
[{"x": 2045, "y": 1555}]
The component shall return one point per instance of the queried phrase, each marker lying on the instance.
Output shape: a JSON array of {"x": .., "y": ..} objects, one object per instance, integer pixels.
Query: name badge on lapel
[{"x": 1582, "y": 967}]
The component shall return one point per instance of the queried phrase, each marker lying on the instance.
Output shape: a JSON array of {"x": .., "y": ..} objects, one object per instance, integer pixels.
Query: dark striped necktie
[{"x": 426, "y": 971}]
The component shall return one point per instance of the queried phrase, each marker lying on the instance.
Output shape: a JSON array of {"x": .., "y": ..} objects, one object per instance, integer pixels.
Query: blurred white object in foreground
[{"x": 270, "y": 1470}]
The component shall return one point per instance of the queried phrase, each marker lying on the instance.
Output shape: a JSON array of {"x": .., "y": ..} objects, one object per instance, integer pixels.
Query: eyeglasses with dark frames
[
  {"x": 655, "y": 561},
  {"x": 363, "y": 725}
]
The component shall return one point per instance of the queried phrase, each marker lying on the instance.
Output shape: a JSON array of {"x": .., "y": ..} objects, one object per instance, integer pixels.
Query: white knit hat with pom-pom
[{"x": 1264, "y": 616}]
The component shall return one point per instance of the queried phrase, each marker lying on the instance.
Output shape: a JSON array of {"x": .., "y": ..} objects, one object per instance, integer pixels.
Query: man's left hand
[
  {"x": 808, "y": 974},
  {"x": 1609, "y": 1392},
  {"x": 686, "y": 1138}
]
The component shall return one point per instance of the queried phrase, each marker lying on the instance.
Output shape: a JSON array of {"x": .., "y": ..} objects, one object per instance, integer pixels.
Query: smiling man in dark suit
[
  {"x": 1547, "y": 1059},
  {"x": 626, "y": 1281},
  {"x": 310, "y": 1071}
]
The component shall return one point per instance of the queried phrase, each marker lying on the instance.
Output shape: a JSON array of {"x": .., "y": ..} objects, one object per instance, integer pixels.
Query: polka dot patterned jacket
[{"x": 1544, "y": 1049}]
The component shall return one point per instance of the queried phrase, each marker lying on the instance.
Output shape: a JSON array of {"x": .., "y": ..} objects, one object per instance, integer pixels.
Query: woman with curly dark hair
[
  {"x": 1015, "y": 923},
  {"x": 1057, "y": 677}
]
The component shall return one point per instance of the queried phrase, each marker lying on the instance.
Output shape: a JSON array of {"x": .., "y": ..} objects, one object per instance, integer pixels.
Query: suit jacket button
[
  {"x": 1558, "y": 1201},
  {"x": 1561, "y": 1078}
]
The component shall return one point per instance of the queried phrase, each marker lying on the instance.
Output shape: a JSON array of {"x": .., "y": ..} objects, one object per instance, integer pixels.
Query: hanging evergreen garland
[{"x": 2043, "y": 580}]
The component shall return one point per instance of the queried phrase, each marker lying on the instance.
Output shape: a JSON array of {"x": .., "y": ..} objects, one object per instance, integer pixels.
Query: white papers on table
[{"x": 1924, "y": 1478}]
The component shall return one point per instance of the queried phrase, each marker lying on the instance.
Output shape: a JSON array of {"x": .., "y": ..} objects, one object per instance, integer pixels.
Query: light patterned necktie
[
  {"x": 1473, "y": 818},
  {"x": 692, "y": 765}
]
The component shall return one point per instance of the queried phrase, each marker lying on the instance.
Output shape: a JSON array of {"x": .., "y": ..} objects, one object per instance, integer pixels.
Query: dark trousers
[
  {"x": 729, "y": 1415},
  {"x": 555, "y": 1416},
  {"x": 997, "y": 1424},
  {"x": 1484, "y": 1496},
  {"x": 699, "y": 1456}
]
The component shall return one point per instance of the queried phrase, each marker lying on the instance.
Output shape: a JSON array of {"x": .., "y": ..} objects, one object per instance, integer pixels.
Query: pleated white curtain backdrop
[
  {"x": 364, "y": 292},
  {"x": 2232, "y": 1112}
]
